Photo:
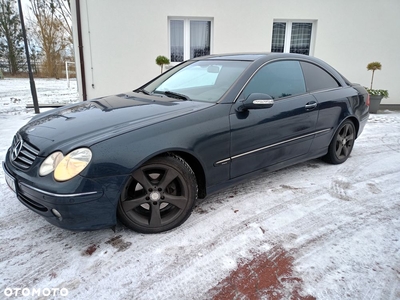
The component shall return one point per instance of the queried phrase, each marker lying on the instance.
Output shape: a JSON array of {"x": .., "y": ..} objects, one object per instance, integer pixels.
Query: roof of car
[
  {"x": 250, "y": 56},
  {"x": 263, "y": 57}
]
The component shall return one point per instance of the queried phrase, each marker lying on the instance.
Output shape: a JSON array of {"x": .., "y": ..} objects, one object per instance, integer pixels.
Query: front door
[{"x": 267, "y": 136}]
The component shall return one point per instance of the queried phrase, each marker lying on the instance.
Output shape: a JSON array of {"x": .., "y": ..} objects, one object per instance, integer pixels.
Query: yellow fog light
[{"x": 72, "y": 164}]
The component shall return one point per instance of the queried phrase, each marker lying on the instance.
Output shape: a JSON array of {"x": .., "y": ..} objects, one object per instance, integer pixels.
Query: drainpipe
[{"x": 80, "y": 47}]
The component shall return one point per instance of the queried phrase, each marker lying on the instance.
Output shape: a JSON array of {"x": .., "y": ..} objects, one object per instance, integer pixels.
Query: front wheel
[
  {"x": 158, "y": 196},
  {"x": 342, "y": 143}
]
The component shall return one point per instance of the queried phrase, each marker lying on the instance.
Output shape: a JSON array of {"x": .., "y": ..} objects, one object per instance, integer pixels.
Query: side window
[
  {"x": 278, "y": 79},
  {"x": 317, "y": 78}
]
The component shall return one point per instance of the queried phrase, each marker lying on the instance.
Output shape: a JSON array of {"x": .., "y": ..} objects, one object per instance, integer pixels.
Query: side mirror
[{"x": 256, "y": 101}]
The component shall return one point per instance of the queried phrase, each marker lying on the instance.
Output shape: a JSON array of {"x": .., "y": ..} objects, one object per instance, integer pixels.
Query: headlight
[
  {"x": 72, "y": 164},
  {"x": 50, "y": 163}
]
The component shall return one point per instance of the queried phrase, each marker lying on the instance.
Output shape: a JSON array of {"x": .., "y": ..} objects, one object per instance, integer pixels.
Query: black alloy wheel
[
  {"x": 159, "y": 195},
  {"x": 342, "y": 143}
]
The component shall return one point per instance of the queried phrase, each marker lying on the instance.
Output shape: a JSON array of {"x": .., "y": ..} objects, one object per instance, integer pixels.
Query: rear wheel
[
  {"x": 342, "y": 143},
  {"x": 159, "y": 195}
]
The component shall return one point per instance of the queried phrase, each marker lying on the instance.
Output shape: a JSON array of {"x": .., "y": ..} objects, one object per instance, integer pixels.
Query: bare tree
[
  {"x": 49, "y": 31},
  {"x": 11, "y": 40},
  {"x": 63, "y": 9}
]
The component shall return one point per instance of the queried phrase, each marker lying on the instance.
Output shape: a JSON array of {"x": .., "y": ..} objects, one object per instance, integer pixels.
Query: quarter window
[
  {"x": 189, "y": 38},
  {"x": 317, "y": 78},
  {"x": 278, "y": 79},
  {"x": 293, "y": 37}
]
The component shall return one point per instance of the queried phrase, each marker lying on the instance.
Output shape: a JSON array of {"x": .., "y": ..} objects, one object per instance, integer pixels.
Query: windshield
[{"x": 200, "y": 80}]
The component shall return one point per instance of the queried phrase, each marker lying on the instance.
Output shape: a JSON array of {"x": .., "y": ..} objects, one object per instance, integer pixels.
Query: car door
[{"x": 268, "y": 136}]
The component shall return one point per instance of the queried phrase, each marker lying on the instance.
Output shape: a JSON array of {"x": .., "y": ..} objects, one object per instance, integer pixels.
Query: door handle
[{"x": 311, "y": 105}]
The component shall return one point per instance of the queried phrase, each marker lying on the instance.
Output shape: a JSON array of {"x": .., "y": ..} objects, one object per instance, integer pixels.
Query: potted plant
[
  {"x": 161, "y": 61},
  {"x": 375, "y": 96}
]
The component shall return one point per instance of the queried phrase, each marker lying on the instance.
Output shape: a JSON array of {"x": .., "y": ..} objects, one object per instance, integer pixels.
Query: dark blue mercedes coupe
[{"x": 145, "y": 157}]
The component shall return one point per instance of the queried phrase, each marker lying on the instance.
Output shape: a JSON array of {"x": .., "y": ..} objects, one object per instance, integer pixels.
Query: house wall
[{"x": 121, "y": 39}]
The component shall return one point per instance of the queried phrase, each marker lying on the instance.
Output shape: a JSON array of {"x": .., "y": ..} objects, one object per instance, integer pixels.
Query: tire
[
  {"x": 342, "y": 143},
  {"x": 158, "y": 196}
]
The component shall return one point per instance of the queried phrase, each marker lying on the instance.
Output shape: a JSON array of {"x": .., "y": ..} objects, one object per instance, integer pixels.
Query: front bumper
[{"x": 87, "y": 210}]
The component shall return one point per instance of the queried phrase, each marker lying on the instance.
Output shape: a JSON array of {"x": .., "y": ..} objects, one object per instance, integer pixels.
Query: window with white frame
[
  {"x": 293, "y": 36},
  {"x": 189, "y": 38}
]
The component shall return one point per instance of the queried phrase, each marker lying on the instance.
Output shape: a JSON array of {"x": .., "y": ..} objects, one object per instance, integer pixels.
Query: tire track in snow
[
  {"x": 174, "y": 269},
  {"x": 240, "y": 228},
  {"x": 345, "y": 223},
  {"x": 313, "y": 243},
  {"x": 310, "y": 222}
]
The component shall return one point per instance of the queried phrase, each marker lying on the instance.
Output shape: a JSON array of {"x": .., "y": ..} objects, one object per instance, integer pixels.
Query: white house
[{"x": 119, "y": 39}]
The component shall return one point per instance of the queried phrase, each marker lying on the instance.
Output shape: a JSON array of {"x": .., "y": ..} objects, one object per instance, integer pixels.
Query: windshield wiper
[
  {"x": 143, "y": 91},
  {"x": 176, "y": 95}
]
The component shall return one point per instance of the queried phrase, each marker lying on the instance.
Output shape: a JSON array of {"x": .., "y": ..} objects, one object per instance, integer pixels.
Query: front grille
[{"x": 22, "y": 153}]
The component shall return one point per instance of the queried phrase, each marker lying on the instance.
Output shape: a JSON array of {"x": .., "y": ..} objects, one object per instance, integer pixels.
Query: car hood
[{"x": 89, "y": 122}]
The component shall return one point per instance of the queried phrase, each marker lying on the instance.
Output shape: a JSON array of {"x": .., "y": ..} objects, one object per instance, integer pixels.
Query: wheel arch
[
  {"x": 349, "y": 118},
  {"x": 355, "y": 121},
  {"x": 196, "y": 166}
]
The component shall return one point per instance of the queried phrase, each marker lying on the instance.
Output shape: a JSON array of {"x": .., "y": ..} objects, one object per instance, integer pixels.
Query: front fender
[{"x": 204, "y": 135}]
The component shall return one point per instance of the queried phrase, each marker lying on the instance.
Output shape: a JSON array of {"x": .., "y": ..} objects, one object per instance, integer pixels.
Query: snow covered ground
[
  {"x": 313, "y": 230},
  {"x": 15, "y": 93}
]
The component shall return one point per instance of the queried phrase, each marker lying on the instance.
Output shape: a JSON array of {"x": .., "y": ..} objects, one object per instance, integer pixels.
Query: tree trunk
[{"x": 372, "y": 79}]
